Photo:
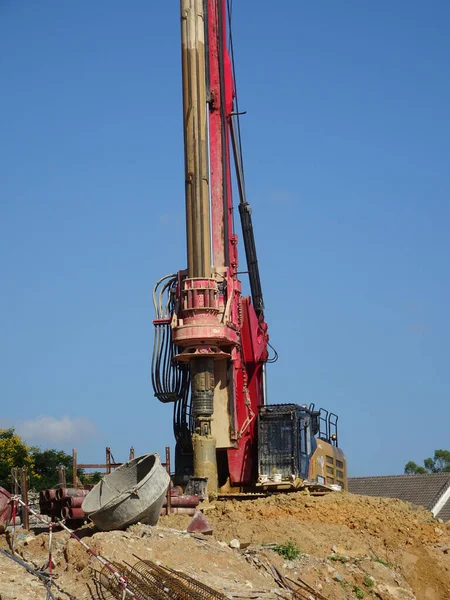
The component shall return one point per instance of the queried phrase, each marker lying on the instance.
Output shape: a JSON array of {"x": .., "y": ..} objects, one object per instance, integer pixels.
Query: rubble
[{"x": 391, "y": 551}]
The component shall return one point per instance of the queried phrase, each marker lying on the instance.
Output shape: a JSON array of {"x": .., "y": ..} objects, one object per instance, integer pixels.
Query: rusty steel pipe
[
  {"x": 50, "y": 495},
  {"x": 76, "y": 513},
  {"x": 69, "y": 492},
  {"x": 72, "y": 513},
  {"x": 186, "y": 501},
  {"x": 179, "y": 510},
  {"x": 75, "y": 501}
]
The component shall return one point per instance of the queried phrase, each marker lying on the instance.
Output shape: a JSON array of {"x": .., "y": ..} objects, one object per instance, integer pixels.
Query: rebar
[
  {"x": 154, "y": 576},
  {"x": 108, "y": 582},
  {"x": 149, "y": 581},
  {"x": 176, "y": 585},
  {"x": 146, "y": 590},
  {"x": 111, "y": 588}
]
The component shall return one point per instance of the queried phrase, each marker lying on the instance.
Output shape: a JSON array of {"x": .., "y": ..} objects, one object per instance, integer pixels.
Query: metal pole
[
  {"x": 61, "y": 475},
  {"x": 169, "y": 497},
  {"x": 198, "y": 230},
  {"x": 108, "y": 460},
  {"x": 25, "y": 514},
  {"x": 15, "y": 480},
  {"x": 74, "y": 467},
  {"x": 264, "y": 383}
]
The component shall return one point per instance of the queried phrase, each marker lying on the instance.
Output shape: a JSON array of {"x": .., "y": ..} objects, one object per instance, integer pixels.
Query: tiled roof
[
  {"x": 444, "y": 514},
  {"x": 423, "y": 490}
]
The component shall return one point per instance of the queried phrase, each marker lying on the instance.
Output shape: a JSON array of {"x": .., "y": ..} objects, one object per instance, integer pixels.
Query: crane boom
[{"x": 211, "y": 342}]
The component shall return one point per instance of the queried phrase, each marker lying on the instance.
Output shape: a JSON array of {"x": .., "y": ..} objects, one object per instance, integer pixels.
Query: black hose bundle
[{"x": 170, "y": 378}]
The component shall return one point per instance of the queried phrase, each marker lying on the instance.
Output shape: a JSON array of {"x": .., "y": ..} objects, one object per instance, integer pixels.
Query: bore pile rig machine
[{"x": 211, "y": 343}]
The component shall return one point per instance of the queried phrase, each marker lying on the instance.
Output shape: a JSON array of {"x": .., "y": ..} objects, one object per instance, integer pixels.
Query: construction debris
[
  {"x": 377, "y": 547},
  {"x": 199, "y": 524}
]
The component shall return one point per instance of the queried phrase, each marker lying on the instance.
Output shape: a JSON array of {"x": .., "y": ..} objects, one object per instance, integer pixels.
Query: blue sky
[{"x": 347, "y": 154}]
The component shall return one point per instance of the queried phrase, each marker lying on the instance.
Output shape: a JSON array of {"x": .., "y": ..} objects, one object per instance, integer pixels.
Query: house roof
[
  {"x": 444, "y": 514},
  {"x": 432, "y": 491}
]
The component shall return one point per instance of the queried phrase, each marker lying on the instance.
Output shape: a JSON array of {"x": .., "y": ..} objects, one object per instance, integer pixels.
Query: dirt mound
[
  {"x": 349, "y": 547},
  {"x": 393, "y": 534}
]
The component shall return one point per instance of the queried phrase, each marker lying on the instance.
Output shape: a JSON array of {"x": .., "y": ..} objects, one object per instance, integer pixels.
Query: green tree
[
  {"x": 13, "y": 453},
  {"x": 93, "y": 478},
  {"x": 440, "y": 463},
  {"x": 411, "y": 468},
  {"x": 45, "y": 474},
  {"x": 41, "y": 464}
]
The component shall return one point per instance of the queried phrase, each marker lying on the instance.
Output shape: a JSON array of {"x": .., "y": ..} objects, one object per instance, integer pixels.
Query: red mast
[{"x": 221, "y": 94}]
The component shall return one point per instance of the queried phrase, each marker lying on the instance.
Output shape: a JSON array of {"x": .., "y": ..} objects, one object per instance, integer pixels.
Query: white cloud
[{"x": 48, "y": 430}]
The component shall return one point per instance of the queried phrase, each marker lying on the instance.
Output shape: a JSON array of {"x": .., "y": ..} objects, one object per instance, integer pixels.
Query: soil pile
[{"x": 348, "y": 547}]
